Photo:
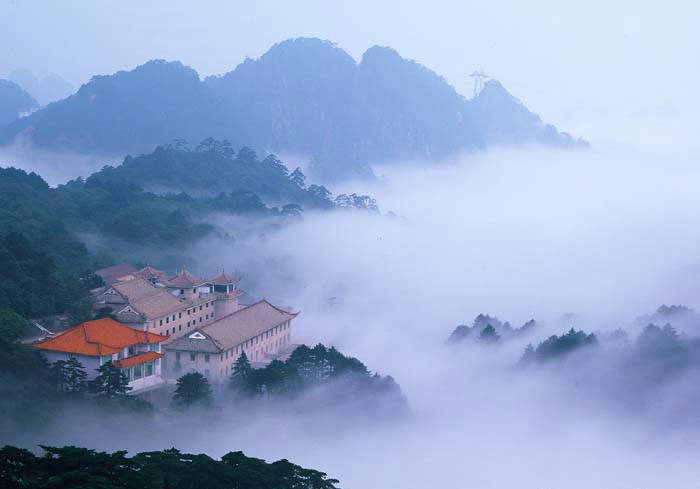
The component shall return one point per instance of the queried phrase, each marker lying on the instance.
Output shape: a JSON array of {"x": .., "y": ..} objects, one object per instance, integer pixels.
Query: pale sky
[{"x": 562, "y": 58}]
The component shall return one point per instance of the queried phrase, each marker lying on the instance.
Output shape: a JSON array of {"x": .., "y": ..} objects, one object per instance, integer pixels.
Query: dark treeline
[
  {"x": 328, "y": 375},
  {"x": 652, "y": 371},
  {"x": 307, "y": 368},
  {"x": 80, "y": 468},
  {"x": 632, "y": 371},
  {"x": 489, "y": 329}
]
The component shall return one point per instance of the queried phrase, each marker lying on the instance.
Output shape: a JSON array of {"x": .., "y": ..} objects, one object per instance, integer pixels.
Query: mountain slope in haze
[
  {"x": 51, "y": 88},
  {"x": 14, "y": 101},
  {"x": 304, "y": 96},
  {"x": 125, "y": 112}
]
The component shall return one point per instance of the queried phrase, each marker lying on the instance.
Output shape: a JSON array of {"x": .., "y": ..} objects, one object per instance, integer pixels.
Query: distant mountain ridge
[{"x": 304, "y": 96}]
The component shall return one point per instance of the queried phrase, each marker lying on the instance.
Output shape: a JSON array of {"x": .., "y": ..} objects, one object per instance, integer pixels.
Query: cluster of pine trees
[
  {"x": 489, "y": 329},
  {"x": 307, "y": 368},
  {"x": 81, "y": 468}
]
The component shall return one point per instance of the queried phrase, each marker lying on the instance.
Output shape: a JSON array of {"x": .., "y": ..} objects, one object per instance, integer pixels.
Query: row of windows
[
  {"x": 171, "y": 331},
  {"x": 189, "y": 312},
  {"x": 193, "y": 357},
  {"x": 256, "y": 355},
  {"x": 144, "y": 370},
  {"x": 201, "y": 307},
  {"x": 254, "y": 341}
]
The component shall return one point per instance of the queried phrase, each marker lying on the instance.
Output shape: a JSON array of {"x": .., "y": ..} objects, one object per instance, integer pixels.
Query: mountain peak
[{"x": 306, "y": 48}]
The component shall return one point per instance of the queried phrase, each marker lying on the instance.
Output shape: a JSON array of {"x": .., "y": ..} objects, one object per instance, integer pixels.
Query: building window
[
  {"x": 106, "y": 358},
  {"x": 153, "y": 347},
  {"x": 192, "y": 356},
  {"x": 177, "y": 356},
  {"x": 188, "y": 324},
  {"x": 131, "y": 350},
  {"x": 179, "y": 327},
  {"x": 173, "y": 317},
  {"x": 212, "y": 314},
  {"x": 182, "y": 291},
  {"x": 161, "y": 322},
  {"x": 179, "y": 315},
  {"x": 206, "y": 357},
  {"x": 138, "y": 371},
  {"x": 167, "y": 320},
  {"x": 150, "y": 369}
]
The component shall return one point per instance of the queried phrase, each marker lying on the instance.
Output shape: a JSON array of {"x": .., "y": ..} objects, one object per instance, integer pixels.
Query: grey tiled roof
[
  {"x": 149, "y": 300},
  {"x": 234, "y": 329},
  {"x": 111, "y": 275}
]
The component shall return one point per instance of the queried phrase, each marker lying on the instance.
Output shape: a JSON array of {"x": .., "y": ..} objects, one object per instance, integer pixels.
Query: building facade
[
  {"x": 262, "y": 330},
  {"x": 94, "y": 343}
]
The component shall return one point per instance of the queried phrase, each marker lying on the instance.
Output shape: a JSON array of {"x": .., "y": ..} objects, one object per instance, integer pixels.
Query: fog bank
[{"x": 606, "y": 234}]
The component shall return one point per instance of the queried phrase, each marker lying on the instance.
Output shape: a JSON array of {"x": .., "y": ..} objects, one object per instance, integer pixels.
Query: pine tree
[
  {"x": 191, "y": 389},
  {"x": 243, "y": 378},
  {"x": 76, "y": 376},
  {"x": 59, "y": 375},
  {"x": 111, "y": 382},
  {"x": 489, "y": 334}
]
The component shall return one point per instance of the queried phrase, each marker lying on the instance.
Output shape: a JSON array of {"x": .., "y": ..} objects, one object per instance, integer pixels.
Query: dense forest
[
  {"x": 304, "y": 96},
  {"x": 42, "y": 229},
  {"x": 80, "y": 468}
]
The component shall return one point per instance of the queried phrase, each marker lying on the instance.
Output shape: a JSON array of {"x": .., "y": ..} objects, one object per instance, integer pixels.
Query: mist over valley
[{"x": 331, "y": 266}]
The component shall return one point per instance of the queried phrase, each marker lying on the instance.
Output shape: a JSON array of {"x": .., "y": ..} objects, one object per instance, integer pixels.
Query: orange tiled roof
[
  {"x": 99, "y": 337},
  {"x": 137, "y": 359}
]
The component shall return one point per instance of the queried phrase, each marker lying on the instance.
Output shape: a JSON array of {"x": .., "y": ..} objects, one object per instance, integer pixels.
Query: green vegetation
[
  {"x": 31, "y": 389},
  {"x": 309, "y": 368},
  {"x": 80, "y": 468},
  {"x": 111, "y": 382},
  {"x": 33, "y": 286},
  {"x": 559, "y": 346},
  {"x": 212, "y": 168},
  {"x": 489, "y": 329},
  {"x": 47, "y": 267},
  {"x": 13, "y": 326},
  {"x": 192, "y": 389}
]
